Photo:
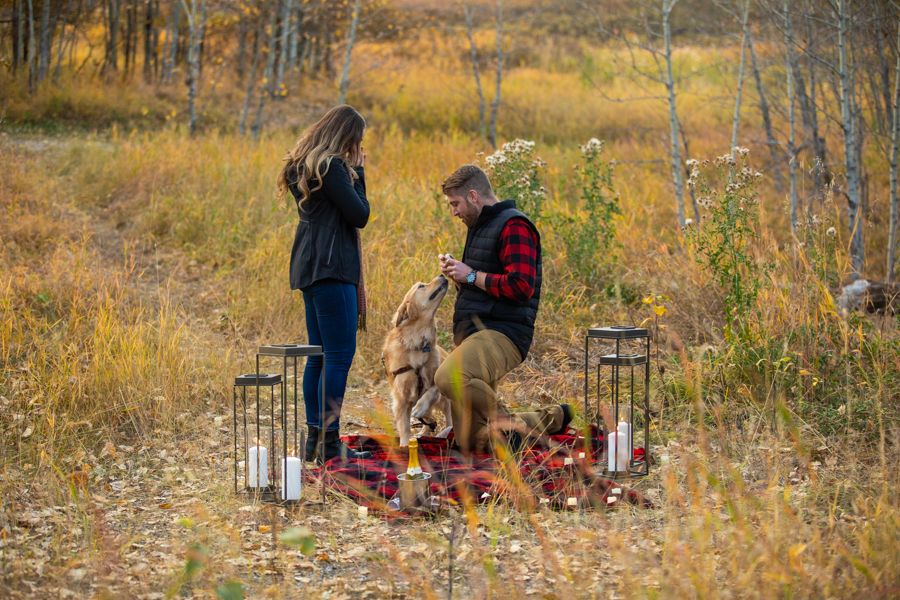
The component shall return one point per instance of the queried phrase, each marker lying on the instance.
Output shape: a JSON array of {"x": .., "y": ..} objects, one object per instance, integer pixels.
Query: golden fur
[{"x": 413, "y": 329}]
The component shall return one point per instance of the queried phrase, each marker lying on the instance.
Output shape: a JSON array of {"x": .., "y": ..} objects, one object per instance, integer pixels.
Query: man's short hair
[{"x": 465, "y": 178}]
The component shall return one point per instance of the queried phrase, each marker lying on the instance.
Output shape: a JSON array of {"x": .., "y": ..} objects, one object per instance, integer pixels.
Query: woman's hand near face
[{"x": 358, "y": 157}]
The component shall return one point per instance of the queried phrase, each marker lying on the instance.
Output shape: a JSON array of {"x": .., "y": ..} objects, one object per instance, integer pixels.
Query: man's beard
[{"x": 471, "y": 215}]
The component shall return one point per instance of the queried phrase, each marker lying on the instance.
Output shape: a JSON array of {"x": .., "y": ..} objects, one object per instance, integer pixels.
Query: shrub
[{"x": 724, "y": 237}]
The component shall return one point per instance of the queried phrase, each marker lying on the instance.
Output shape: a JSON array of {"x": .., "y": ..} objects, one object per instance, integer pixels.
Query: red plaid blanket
[{"x": 540, "y": 475}]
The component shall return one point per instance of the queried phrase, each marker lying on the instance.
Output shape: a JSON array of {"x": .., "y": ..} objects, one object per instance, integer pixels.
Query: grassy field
[{"x": 140, "y": 268}]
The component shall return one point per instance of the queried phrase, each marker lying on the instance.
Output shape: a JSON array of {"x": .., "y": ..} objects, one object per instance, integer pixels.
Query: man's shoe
[
  {"x": 567, "y": 418},
  {"x": 334, "y": 448},
  {"x": 519, "y": 442},
  {"x": 312, "y": 443}
]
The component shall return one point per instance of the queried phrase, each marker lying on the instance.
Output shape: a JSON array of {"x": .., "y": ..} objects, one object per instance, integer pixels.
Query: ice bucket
[{"x": 413, "y": 493}]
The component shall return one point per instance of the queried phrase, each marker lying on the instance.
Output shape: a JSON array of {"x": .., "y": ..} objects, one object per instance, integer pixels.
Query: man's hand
[{"x": 454, "y": 269}]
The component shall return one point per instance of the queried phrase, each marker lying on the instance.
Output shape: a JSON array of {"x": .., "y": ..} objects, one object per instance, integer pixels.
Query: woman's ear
[{"x": 401, "y": 315}]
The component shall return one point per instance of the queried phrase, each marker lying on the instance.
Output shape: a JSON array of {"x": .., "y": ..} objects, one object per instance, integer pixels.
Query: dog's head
[{"x": 421, "y": 301}]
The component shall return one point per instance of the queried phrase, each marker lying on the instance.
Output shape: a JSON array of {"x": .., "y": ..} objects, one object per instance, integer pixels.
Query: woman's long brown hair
[{"x": 336, "y": 135}]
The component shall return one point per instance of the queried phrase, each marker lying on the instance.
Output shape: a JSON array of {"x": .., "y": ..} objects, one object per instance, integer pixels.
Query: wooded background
[{"x": 821, "y": 77}]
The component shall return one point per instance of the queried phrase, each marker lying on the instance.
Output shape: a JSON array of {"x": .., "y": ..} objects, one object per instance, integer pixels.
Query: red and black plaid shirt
[{"x": 518, "y": 253}]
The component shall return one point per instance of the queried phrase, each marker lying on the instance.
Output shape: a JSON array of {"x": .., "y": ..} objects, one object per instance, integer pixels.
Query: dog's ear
[{"x": 401, "y": 315}]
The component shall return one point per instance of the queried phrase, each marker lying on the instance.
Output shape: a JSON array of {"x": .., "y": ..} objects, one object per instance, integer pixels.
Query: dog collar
[{"x": 424, "y": 348}]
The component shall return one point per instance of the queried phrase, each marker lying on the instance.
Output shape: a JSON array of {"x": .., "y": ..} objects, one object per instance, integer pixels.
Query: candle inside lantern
[
  {"x": 615, "y": 441},
  {"x": 623, "y": 452},
  {"x": 291, "y": 477},
  {"x": 257, "y": 466}
]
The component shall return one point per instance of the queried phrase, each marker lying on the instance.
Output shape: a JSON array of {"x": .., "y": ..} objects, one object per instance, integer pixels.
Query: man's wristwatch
[{"x": 470, "y": 278}]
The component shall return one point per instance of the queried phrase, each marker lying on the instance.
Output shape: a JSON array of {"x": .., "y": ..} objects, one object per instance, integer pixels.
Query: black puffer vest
[{"x": 476, "y": 309}]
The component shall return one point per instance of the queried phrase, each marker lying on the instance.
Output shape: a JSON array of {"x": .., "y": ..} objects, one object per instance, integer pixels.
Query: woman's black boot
[
  {"x": 334, "y": 447},
  {"x": 312, "y": 443}
]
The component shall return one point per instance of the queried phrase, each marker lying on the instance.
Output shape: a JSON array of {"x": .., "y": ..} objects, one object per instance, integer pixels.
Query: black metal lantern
[
  {"x": 257, "y": 434},
  {"x": 630, "y": 408},
  {"x": 291, "y": 353}
]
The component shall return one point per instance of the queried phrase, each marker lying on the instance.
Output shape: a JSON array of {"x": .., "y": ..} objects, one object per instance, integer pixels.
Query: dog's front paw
[{"x": 420, "y": 410}]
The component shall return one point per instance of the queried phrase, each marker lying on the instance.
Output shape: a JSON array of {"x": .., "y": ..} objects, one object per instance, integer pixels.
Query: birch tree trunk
[
  {"x": 304, "y": 53},
  {"x": 19, "y": 59},
  {"x": 267, "y": 74},
  {"x": 128, "y": 31},
  {"x": 495, "y": 105},
  {"x": 895, "y": 150},
  {"x": 173, "y": 43},
  {"x": 818, "y": 142},
  {"x": 673, "y": 114},
  {"x": 286, "y": 28},
  {"x": 31, "y": 45},
  {"x": 767, "y": 120},
  {"x": 242, "y": 50},
  {"x": 148, "y": 41},
  {"x": 351, "y": 38},
  {"x": 45, "y": 41},
  {"x": 112, "y": 57},
  {"x": 196, "y": 23},
  {"x": 849, "y": 126},
  {"x": 296, "y": 20},
  {"x": 792, "y": 140},
  {"x": 256, "y": 52},
  {"x": 482, "y": 128},
  {"x": 740, "y": 85},
  {"x": 885, "y": 70},
  {"x": 59, "y": 49}
]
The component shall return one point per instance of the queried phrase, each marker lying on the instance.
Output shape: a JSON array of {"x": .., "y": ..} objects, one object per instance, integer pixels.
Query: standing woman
[{"x": 324, "y": 172}]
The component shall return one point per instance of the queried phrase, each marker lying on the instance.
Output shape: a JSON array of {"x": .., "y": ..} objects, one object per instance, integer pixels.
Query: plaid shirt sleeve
[{"x": 518, "y": 254}]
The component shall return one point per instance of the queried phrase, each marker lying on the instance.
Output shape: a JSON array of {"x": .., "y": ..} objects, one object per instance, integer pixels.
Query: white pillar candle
[
  {"x": 617, "y": 452},
  {"x": 363, "y": 512},
  {"x": 569, "y": 461},
  {"x": 625, "y": 451},
  {"x": 291, "y": 478},
  {"x": 257, "y": 467},
  {"x": 611, "y": 450}
]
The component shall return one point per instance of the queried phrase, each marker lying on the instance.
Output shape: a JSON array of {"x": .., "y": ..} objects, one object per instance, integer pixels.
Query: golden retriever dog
[{"x": 411, "y": 356}]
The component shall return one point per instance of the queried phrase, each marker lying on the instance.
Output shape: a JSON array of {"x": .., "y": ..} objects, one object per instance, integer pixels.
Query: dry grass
[{"x": 139, "y": 271}]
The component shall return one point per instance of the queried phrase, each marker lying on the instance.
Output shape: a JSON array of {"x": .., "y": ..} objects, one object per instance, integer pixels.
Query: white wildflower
[
  {"x": 831, "y": 232},
  {"x": 593, "y": 144},
  {"x": 692, "y": 162},
  {"x": 741, "y": 151},
  {"x": 688, "y": 222},
  {"x": 497, "y": 158}
]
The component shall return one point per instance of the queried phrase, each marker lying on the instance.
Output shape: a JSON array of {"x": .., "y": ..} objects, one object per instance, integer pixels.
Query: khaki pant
[{"x": 469, "y": 377}]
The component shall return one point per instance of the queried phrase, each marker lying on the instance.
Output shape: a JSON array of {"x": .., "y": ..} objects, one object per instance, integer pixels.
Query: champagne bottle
[{"x": 414, "y": 471}]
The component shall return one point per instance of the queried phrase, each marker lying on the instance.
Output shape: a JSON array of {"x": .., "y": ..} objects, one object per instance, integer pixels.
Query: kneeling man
[{"x": 498, "y": 291}]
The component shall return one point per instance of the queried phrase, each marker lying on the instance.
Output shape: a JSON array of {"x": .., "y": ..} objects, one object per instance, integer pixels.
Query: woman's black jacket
[{"x": 325, "y": 242}]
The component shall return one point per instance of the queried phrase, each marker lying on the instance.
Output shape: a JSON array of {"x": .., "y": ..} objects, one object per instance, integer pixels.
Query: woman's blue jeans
[{"x": 331, "y": 315}]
